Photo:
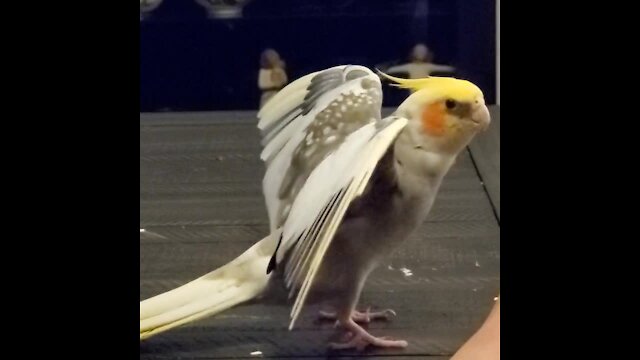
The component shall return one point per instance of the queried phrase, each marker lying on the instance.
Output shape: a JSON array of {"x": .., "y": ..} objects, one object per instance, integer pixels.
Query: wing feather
[
  {"x": 323, "y": 136},
  {"x": 355, "y": 184}
]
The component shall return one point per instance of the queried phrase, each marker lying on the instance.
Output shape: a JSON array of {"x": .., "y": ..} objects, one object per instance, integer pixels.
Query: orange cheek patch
[{"x": 433, "y": 119}]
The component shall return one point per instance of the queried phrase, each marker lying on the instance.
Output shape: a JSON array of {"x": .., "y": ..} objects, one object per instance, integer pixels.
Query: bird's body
[
  {"x": 374, "y": 225},
  {"x": 344, "y": 187}
]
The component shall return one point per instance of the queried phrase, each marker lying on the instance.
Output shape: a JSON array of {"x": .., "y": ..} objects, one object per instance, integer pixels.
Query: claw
[
  {"x": 361, "y": 339},
  {"x": 360, "y": 317}
]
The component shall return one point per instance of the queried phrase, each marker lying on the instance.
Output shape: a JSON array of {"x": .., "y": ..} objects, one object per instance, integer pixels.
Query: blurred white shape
[
  {"x": 406, "y": 272},
  {"x": 146, "y": 234},
  {"x": 147, "y": 6},
  {"x": 256, "y": 353},
  {"x": 495, "y": 298},
  {"x": 477, "y": 263},
  {"x": 223, "y": 9},
  {"x": 390, "y": 267}
]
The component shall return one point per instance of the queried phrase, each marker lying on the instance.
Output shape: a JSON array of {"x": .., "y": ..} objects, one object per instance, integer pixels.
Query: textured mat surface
[
  {"x": 485, "y": 150},
  {"x": 201, "y": 205}
]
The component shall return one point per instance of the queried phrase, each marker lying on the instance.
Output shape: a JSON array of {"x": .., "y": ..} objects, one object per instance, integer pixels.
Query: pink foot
[
  {"x": 360, "y": 317},
  {"x": 360, "y": 339}
]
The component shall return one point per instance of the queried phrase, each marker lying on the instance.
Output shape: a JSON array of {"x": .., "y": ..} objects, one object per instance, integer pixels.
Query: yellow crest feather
[{"x": 457, "y": 88}]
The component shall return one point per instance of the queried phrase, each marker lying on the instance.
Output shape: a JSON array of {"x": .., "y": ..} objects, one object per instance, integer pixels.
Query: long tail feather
[{"x": 238, "y": 281}]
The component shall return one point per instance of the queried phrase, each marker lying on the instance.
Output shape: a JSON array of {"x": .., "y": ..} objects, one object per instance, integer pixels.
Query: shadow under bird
[{"x": 344, "y": 187}]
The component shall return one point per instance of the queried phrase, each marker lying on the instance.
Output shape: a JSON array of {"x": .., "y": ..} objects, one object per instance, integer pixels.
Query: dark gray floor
[{"x": 201, "y": 204}]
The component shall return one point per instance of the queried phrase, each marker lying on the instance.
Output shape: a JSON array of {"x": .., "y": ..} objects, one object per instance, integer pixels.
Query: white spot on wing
[
  {"x": 309, "y": 151},
  {"x": 330, "y": 139}
]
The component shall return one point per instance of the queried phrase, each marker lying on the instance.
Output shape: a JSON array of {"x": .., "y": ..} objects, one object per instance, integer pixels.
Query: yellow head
[{"x": 444, "y": 113}]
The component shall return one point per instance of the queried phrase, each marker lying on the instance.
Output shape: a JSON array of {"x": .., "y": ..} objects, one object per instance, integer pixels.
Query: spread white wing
[{"x": 323, "y": 136}]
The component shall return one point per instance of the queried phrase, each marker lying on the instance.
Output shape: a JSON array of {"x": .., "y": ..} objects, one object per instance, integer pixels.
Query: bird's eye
[{"x": 450, "y": 103}]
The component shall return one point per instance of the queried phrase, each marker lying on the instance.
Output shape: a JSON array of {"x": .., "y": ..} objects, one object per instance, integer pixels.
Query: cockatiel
[{"x": 343, "y": 188}]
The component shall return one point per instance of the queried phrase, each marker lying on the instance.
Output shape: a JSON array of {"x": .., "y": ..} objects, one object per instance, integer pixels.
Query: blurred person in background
[
  {"x": 272, "y": 76},
  {"x": 420, "y": 64}
]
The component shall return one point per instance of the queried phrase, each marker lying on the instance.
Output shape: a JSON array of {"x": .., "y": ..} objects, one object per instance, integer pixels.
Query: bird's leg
[
  {"x": 360, "y": 317},
  {"x": 360, "y": 338},
  {"x": 345, "y": 300}
]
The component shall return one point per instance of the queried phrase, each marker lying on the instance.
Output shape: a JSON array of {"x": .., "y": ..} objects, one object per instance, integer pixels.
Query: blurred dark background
[{"x": 190, "y": 62}]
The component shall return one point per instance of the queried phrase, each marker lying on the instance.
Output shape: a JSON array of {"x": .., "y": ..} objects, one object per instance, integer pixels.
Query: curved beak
[{"x": 480, "y": 116}]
